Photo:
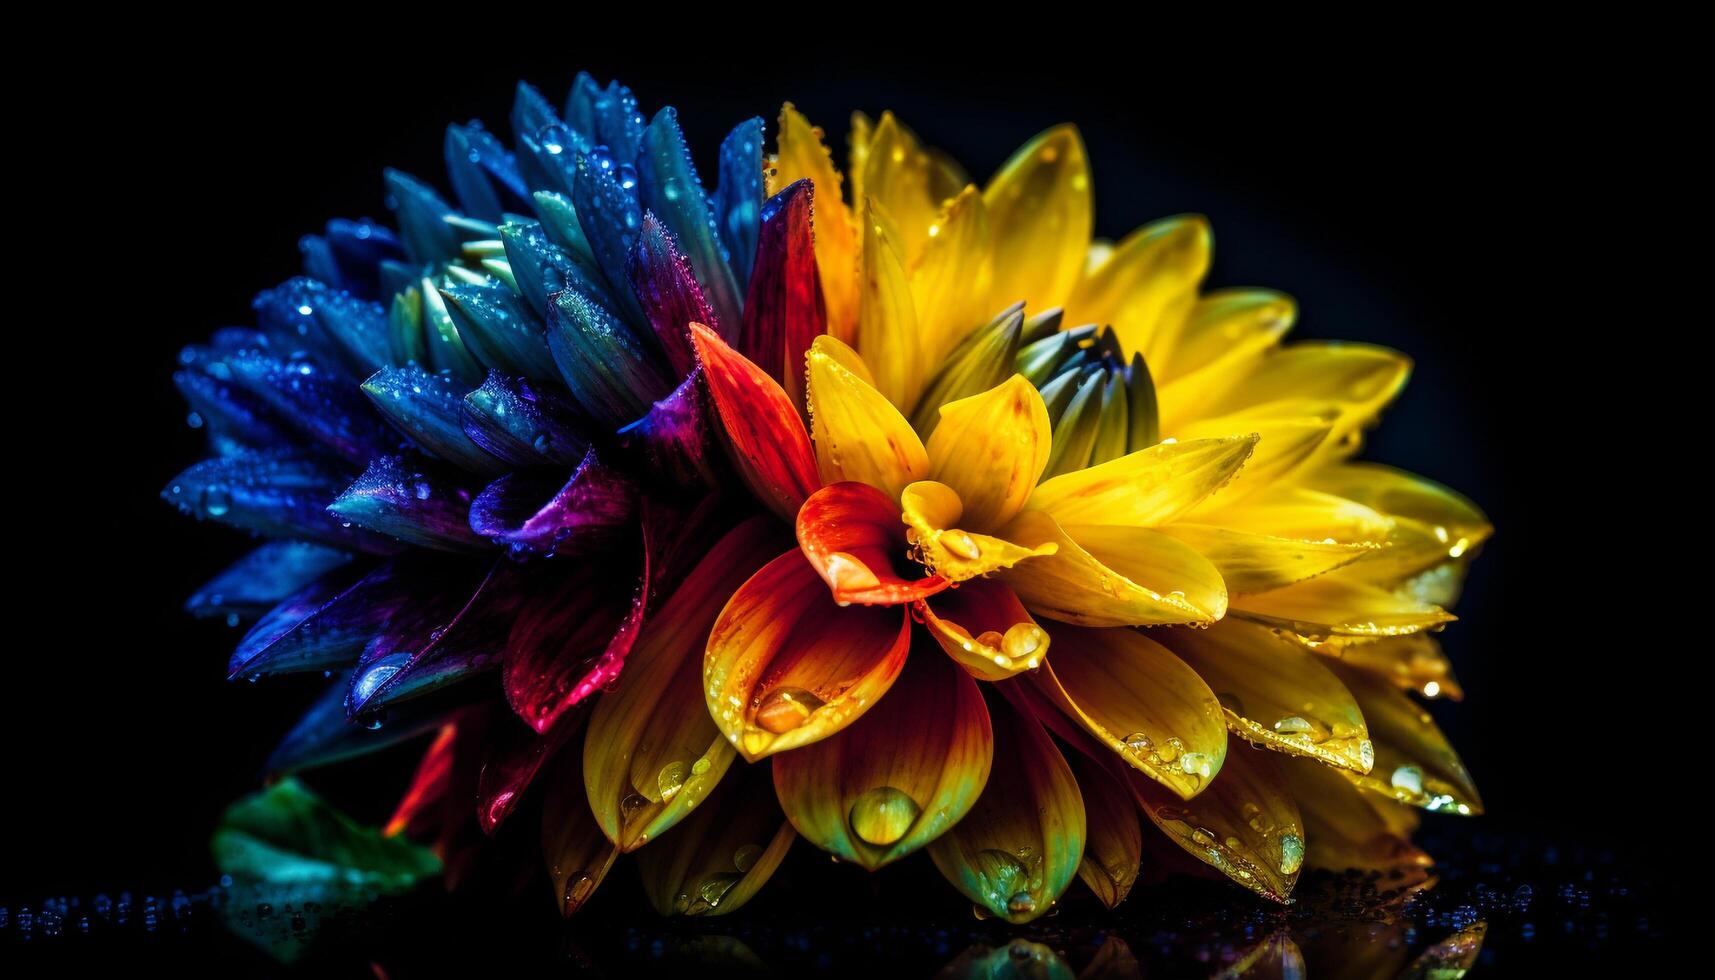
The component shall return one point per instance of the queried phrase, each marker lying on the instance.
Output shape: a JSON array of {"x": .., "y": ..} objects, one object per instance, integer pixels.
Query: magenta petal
[
  {"x": 668, "y": 289},
  {"x": 674, "y": 443},
  {"x": 783, "y": 312},
  {"x": 525, "y": 512}
]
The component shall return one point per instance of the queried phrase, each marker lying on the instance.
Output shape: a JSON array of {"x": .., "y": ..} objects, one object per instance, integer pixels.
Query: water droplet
[
  {"x": 1023, "y": 640},
  {"x": 882, "y": 815},
  {"x": 216, "y": 500},
  {"x": 1020, "y": 903},
  {"x": 1292, "y": 725},
  {"x": 1367, "y": 754},
  {"x": 578, "y": 889},
  {"x": 745, "y": 857},
  {"x": 1408, "y": 779},
  {"x": 632, "y": 803},
  {"x": 1197, "y": 764},
  {"x": 847, "y": 573},
  {"x": 670, "y": 780},
  {"x": 785, "y": 708},
  {"x": 1139, "y": 743},
  {"x": 961, "y": 544},
  {"x": 1291, "y": 853},
  {"x": 716, "y": 887},
  {"x": 700, "y": 766}
]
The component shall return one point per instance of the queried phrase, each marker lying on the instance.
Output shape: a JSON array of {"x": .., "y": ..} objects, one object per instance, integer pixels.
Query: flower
[{"x": 964, "y": 575}]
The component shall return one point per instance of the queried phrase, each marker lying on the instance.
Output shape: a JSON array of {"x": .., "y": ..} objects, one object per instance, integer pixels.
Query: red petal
[
  {"x": 784, "y": 312},
  {"x": 764, "y": 433},
  {"x": 855, "y": 540},
  {"x": 419, "y": 808},
  {"x": 512, "y": 754}
]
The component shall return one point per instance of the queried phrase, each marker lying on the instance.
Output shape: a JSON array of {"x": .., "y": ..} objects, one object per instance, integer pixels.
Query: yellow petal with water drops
[
  {"x": 786, "y": 665},
  {"x": 1251, "y": 563},
  {"x": 578, "y": 854},
  {"x": 1113, "y": 837},
  {"x": 1112, "y": 576},
  {"x": 1019, "y": 848},
  {"x": 1359, "y": 378},
  {"x": 1415, "y": 764},
  {"x": 1224, "y": 337},
  {"x": 1337, "y": 605},
  {"x": 1284, "y": 447},
  {"x": 887, "y": 317},
  {"x": 652, "y": 752},
  {"x": 1148, "y": 286},
  {"x": 951, "y": 279},
  {"x": 1140, "y": 700},
  {"x": 1146, "y": 488},
  {"x": 991, "y": 449},
  {"x": 900, "y": 775},
  {"x": 1302, "y": 514},
  {"x": 1246, "y": 825},
  {"x": 985, "y": 629},
  {"x": 857, "y": 432},
  {"x": 1434, "y": 523},
  {"x": 1039, "y": 207},
  {"x": 897, "y": 174},
  {"x": 933, "y": 512},
  {"x": 801, "y": 154},
  {"x": 1348, "y": 828},
  {"x": 720, "y": 856},
  {"x": 1451, "y": 958},
  {"x": 1412, "y": 663},
  {"x": 1276, "y": 694}
]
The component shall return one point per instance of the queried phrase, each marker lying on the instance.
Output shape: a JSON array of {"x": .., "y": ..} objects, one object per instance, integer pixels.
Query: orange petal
[
  {"x": 764, "y": 434},
  {"x": 898, "y": 777},
  {"x": 1113, "y": 846},
  {"x": 786, "y": 665},
  {"x": 722, "y": 854},
  {"x": 579, "y": 855},
  {"x": 853, "y": 537},
  {"x": 652, "y": 751},
  {"x": 933, "y": 511},
  {"x": 1019, "y": 848},
  {"x": 985, "y": 629}
]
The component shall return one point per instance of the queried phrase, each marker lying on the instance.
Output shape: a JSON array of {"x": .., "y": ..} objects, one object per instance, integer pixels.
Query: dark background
[{"x": 1529, "y": 226}]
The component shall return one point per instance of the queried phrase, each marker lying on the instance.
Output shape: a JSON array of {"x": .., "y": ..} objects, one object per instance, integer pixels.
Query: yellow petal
[
  {"x": 1284, "y": 447},
  {"x": 1113, "y": 838},
  {"x": 1224, "y": 338},
  {"x": 1112, "y": 576},
  {"x": 1146, "y": 488},
  {"x": 1412, "y": 663},
  {"x": 1246, "y": 825},
  {"x": 858, "y": 433},
  {"x": 991, "y": 449},
  {"x": 896, "y": 174},
  {"x": 1019, "y": 848},
  {"x": 1275, "y": 694},
  {"x": 786, "y": 665},
  {"x": 802, "y": 155},
  {"x": 1148, "y": 286},
  {"x": 652, "y": 751},
  {"x": 1415, "y": 764},
  {"x": 985, "y": 629},
  {"x": 951, "y": 279},
  {"x": 1333, "y": 604},
  {"x": 1259, "y": 562},
  {"x": 722, "y": 854},
  {"x": 1359, "y": 378},
  {"x": 900, "y": 775},
  {"x": 887, "y": 320},
  {"x": 1348, "y": 828},
  {"x": 1039, "y": 207},
  {"x": 1303, "y": 514},
  {"x": 1432, "y": 523},
  {"x": 933, "y": 511},
  {"x": 1140, "y": 700},
  {"x": 578, "y": 854}
]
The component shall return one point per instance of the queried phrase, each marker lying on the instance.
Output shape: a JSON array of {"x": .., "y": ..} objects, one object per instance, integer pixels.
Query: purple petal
[
  {"x": 522, "y": 422},
  {"x": 526, "y": 513},
  {"x": 400, "y": 497},
  {"x": 668, "y": 291},
  {"x": 784, "y": 313},
  {"x": 327, "y": 623},
  {"x": 673, "y": 442}
]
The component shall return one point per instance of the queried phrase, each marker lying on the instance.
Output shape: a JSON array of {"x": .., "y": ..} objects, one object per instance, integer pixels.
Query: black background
[{"x": 1522, "y": 222}]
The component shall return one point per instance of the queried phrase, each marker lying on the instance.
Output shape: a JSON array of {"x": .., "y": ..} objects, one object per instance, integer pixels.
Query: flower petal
[
  {"x": 417, "y": 813},
  {"x": 325, "y": 735},
  {"x": 326, "y": 623},
  {"x": 1432, "y": 524},
  {"x": 610, "y": 371},
  {"x": 1139, "y": 700},
  {"x": 674, "y": 192},
  {"x": 426, "y": 407},
  {"x": 1019, "y": 848},
  {"x": 1275, "y": 694},
  {"x": 984, "y": 359},
  {"x": 738, "y": 201},
  {"x": 318, "y": 403},
  {"x": 952, "y": 277},
  {"x": 763, "y": 432},
  {"x": 273, "y": 493},
  {"x": 1245, "y": 825},
  {"x": 786, "y": 666},
  {"x": 672, "y": 299},
  {"x": 674, "y": 442},
  {"x": 1284, "y": 447},
  {"x": 500, "y": 328},
  {"x": 722, "y": 854},
  {"x": 991, "y": 449},
  {"x": 262, "y": 579},
  {"x": 783, "y": 311},
  {"x": 1039, "y": 207},
  {"x": 1113, "y": 846},
  {"x": 577, "y": 853},
  {"x": 523, "y": 423},
  {"x": 571, "y": 638},
  {"x": 1251, "y": 563},
  {"x": 1415, "y": 764},
  {"x": 512, "y": 754},
  {"x": 1348, "y": 828},
  {"x": 896, "y": 171},
  {"x": 898, "y": 777},
  {"x": 1148, "y": 286},
  {"x": 1145, "y": 488},
  {"x": 530, "y": 516},
  {"x": 1336, "y": 604},
  {"x": 887, "y": 318},
  {"x": 1413, "y": 662},
  {"x": 933, "y": 511},
  {"x": 802, "y": 155},
  {"x": 400, "y": 497},
  {"x": 1226, "y": 333},
  {"x": 1112, "y": 576},
  {"x": 853, "y": 537},
  {"x": 652, "y": 752},
  {"x": 859, "y": 435},
  {"x": 1359, "y": 378},
  {"x": 985, "y": 629}
]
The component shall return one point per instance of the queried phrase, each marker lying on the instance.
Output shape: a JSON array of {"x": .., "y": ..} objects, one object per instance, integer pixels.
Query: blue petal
[
  {"x": 260, "y": 580},
  {"x": 448, "y": 353},
  {"x": 523, "y": 424},
  {"x": 422, "y": 215},
  {"x": 348, "y": 255},
  {"x": 531, "y": 112},
  {"x": 233, "y": 417},
  {"x": 396, "y": 496},
  {"x": 542, "y": 268},
  {"x": 500, "y": 329},
  {"x": 618, "y": 123},
  {"x": 334, "y": 327},
  {"x": 325, "y": 735},
  {"x": 560, "y": 221},
  {"x": 738, "y": 200},
  {"x": 446, "y": 636},
  {"x": 484, "y": 175},
  {"x": 610, "y": 371},
  {"x": 605, "y": 195},
  {"x": 426, "y": 408},
  {"x": 280, "y": 493},
  {"x": 323, "y": 406},
  {"x": 581, "y": 102},
  {"x": 675, "y": 195}
]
